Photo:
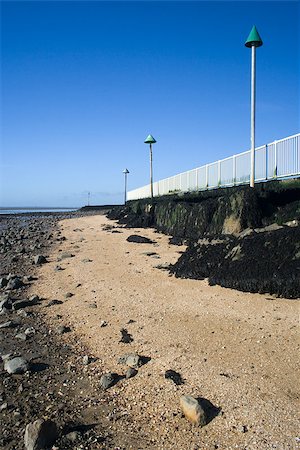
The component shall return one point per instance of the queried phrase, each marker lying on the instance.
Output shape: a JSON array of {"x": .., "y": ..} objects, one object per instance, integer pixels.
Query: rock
[
  {"x": 8, "y": 324},
  {"x": 131, "y": 372},
  {"x": 69, "y": 295},
  {"x": 29, "y": 331},
  {"x": 174, "y": 376},
  {"x": 54, "y": 302},
  {"x": 192, "y": 410},
  {"x": 272, "y": 227},
  {"x": 21, "y": 336},
  {"x": 139, "y": 239},
  {"x": 4, "y": 304},
  {"x": 39, "y": 259},
  {"x": 132, "y": 360},
  {"x": 3, "y": 406},
  {"x": 16, "y": 365},
  {"x": 14, "y": 283},
  {"x": 65, "y": 255},
  {"x": 63, "y": 329},
  {"x": 86, "y": 360},
  {"x": 58, "y": 268},
  {"x": 40, "y": 434},
  {"x": 19, "y": 304},
  {"x": 107, "y": 380},
  {"x": 93, "y": 305},
  {"x": 103, "y": 323},
  {"x": 292, "y": 223},
  {"x": 86, "y": 260},
  {"x": 3, "y": 282},
  {"x": 73, "y": 436}
]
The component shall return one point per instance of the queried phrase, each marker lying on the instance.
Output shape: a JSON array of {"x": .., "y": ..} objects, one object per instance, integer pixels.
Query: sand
[{"x": 237, "y": 350}]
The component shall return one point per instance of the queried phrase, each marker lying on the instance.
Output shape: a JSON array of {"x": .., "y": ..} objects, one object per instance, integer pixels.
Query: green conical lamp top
[
  {"x": 150, "y": 139},
  {"x": 254, "y": 38}
]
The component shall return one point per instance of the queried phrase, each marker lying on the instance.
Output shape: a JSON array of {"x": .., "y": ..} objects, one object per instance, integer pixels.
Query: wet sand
[{"x": 239, "y": 351}]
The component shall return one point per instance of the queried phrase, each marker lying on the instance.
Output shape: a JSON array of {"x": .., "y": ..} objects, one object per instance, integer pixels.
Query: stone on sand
[{"x": 192, "y": 410}]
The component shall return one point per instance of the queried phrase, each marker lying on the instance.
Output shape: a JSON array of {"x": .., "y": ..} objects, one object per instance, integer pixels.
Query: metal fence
[{"x": 279, "y": 159}]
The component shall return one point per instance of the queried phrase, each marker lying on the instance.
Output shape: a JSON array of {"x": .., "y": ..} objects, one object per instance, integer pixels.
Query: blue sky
[{"x": 84, "y": 83}]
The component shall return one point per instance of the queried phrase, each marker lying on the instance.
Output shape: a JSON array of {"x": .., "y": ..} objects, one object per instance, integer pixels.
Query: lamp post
[
  {"x": 150, "y": 140},
  {"x": 253, "y": 41},
  {"x": 126, "y": 172}
]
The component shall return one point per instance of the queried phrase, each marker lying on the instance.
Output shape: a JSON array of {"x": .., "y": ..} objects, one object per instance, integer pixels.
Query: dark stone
[
  {"x": 139, "y": 239},
  {"x": 174, "y": 376},
  {"x": 39, "y": 259},
  {"x": 126, "y": 337}
]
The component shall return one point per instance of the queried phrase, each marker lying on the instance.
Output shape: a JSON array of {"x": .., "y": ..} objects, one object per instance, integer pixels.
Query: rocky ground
[
  {"x": 107, "y": 342},
  {"x": 49, "y": 378}
]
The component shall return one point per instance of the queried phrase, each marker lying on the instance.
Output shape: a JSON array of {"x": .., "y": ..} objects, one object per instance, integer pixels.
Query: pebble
[
  {"x": 107, "y": 380},
  {"x": 40, "y": 434},
  {"x": 39, "y": 259},
  {"x": 131, "y": 372},
  {"x": 86, "y": 360},
  {"x": 103, "y": 323},
  {"x": 21, "y": 336},
  {"x": 132, "y": 360},
  {"x": 29, "y": 331},
  {"x": 69, "y": 295},
  {"x": 8, "y": 324},
  {"x": 62, "y": 329},
  {"x": 16, "y": 365},
  {"x": 192, "y": 410}
]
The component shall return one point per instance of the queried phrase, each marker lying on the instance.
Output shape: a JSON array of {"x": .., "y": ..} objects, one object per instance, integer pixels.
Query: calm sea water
[{"x": 34, "y": 210}]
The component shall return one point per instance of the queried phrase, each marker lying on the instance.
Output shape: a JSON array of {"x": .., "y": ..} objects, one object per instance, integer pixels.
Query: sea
[{"x": 29, "y": 210}]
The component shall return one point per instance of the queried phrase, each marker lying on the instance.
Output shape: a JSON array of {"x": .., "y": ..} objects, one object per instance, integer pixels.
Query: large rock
[
  {"x": 107, "y": 380},
  {"x": 40, "y": 434},
  {"x": 17, "y": 365},
  {"x": 131, "y": 360},
  {"x": 192, "y": 410},
  {"x": 14, "y": 283}
]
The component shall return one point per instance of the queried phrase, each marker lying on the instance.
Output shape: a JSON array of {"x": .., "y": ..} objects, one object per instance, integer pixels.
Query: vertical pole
[
  {"x": 151, "y": 173},
  {"x": 206, "y": 176},
  {"x": 125, "y": 189},
  {"x": 275, "y": 159},
  {"x": 234, "y": 169},
  {"x": 253, "y": 64}
]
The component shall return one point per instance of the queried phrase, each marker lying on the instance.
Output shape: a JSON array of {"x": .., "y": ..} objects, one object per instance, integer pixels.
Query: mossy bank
[{"x": 268, "y": 257}]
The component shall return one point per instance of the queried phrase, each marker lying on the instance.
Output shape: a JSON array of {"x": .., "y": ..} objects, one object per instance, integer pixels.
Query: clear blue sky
[{"x": 84, "y": 83}]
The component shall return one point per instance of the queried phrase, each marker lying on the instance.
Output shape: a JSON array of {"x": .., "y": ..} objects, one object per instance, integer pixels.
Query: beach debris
[
  {"x": 107, "y": 380},
  {"x": 192, "y": 410},
  {"x": 139, "y": 239},
  {"x": 40, "y": 434},
  {"x": 39, "y": 259},
  {"x": 126, "y": 337},
  {"x": 174, "y": 376},
  {"x": 16, "y": 364}
]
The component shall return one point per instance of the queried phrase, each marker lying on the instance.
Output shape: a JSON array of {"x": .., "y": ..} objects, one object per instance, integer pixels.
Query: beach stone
[
  {"x": 54, "y": 302},
  {"x": 8, "y": 324},
  {"x": 39, "y": 259},
  {"x": 65, "y": 255},
  {"x": 58, "y": 268},
  {"x": 107, "y": 380},
  {"x": 174, "y": 376},
  {"x": 62, "y": 329},
  {"x": 131, "y": 372},
  {"x": 132, "y": 360},
  {"x": 16, "y": 365},
  {"x": 103, "y": 323},
  {"x": 69, "y": 295},
  {"x": 192, "y": 410},
  {"x": 73, "y": 436},
  {"x": 29, "y": 331},
  {"x": 86, "y": 360},
  {"x": 3, "y": 282},
  {"x": 21, "y": 336},
  {"x": 19, "y": 304},
  {"x": 14, "y": 283},
  {"x": 40, "y": 434},
  {"x": 139, "y": 239}
]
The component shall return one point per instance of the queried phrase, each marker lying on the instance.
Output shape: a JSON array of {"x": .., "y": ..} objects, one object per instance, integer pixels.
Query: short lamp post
[
  {"x": 126, "y": 172},
  {"x": 150, "y": 140},
  {"x": 253, "y": 41}
]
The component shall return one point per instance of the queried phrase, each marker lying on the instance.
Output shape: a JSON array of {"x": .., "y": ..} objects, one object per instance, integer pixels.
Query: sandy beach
[{"x": 236, "y": 350}]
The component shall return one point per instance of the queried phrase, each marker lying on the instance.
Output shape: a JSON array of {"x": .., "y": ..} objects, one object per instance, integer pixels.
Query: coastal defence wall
[{"x": 243, "y": 238}]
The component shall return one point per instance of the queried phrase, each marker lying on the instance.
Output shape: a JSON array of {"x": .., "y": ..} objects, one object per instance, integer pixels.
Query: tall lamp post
[
  {"x": 253, "y": 41},
  {"x": 150, "y": 140},
  {"x": 126, "y": 172}
]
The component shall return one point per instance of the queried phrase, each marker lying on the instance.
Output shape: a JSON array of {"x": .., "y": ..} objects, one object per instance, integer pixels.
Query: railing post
[
  {"x": 275, "y": 159},
  {"x": 267, "y": 161},
  {"x": 234, "y": 169},
  {"x": 219, "y": 173},
  {"x": 206, "y": 176}
]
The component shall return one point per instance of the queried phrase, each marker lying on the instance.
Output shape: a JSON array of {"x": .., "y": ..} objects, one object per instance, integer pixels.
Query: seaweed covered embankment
[{"x": 242, "y": 238}]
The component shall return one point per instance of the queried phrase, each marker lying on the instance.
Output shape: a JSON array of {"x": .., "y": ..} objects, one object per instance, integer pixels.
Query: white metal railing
[{"x": 279, "y": 159}]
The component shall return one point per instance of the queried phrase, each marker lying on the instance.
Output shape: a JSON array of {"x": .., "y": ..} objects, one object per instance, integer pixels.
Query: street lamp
[
  {"x": 150, "y": 140},
  {"x": 253, "y": 41},
  {"x": 125, "y": 171}
]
